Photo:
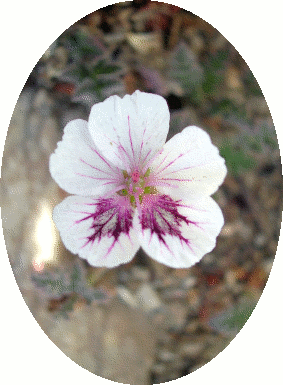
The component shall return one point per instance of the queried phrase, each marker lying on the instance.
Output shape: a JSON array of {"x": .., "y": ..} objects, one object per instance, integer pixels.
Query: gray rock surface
[{"x": 113, "y": 340}]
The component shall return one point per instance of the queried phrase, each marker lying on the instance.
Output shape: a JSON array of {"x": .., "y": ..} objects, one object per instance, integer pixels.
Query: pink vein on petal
[
  {"x": 95, "y": 168},
  {"x": 193, "y": 208},
  {"x": 161, "y": 217},
  {"x": 181, "y": 180},
  {"x": 142, "y": 142},
  {"x": 102, "y": 158},
  {"x": 184, "y": 168},
  {"x": 112, "y": 217},
  {"x": 120, "y": 147},
  {"x": 130, "y": 136},
  {"x": 163, "y": 184},
  {"x": 148, "y": 164},
  {"x": 157, "y": 167},
  {"x": 169, "y": 164},
  {"x": 97, "y": 178}
]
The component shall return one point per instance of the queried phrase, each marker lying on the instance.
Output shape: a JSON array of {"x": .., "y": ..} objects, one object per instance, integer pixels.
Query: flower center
[{"x": 137, "y": 185}]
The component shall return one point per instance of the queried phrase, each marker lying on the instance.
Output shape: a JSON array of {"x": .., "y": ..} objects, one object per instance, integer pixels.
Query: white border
[{"x": 27, "y": 29}]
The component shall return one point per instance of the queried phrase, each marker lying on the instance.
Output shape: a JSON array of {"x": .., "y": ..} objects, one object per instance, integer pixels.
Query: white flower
[{"x": 132, "y": 189}]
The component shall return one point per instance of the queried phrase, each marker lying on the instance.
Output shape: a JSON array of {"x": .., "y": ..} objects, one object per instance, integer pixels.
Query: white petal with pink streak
[
  {"x": 78, "y": 167},
  {"x": 189, "y": 166},
  {"x": 179, "y": 244},
  {"x": 130, "y": 131},
  {"x": 103, "y": 239}
]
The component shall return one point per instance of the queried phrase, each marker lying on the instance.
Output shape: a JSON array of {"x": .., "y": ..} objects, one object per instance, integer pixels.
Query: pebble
[
  {"x": 127, "y": 297},
  {"x": 166, "y": 356},
  {"x": 233, "y": 78},
  {"x": 192, "y": 326},
  {"x": 42, "y": 101},
  {"x": 140, "y": 273},
  {"x": 49, "y": 135},
  {"x": 159, "y": 368},
  {"x": 148, "y": 298},
  {"x": 194, "y": 300},
  {"x": 267, "y": 265},
  {"x": 192, "y": 349},
  {"x": 144, "y": 43},
  {"x": 189, "y": 282},
  {"x": 237, "y": 227},
  {"x": 178, "y": 314},
  {"x": 230, "y": 278},
  {"x": 258, "y": 105},
  {"x": 260, "y": 240}
]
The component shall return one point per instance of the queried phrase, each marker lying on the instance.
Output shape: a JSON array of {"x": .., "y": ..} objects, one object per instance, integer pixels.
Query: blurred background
[{"x": 143, "y": 323}]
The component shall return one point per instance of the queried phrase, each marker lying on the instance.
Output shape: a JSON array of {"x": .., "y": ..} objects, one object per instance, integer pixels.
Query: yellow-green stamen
[{"x": 136, "y": 186}]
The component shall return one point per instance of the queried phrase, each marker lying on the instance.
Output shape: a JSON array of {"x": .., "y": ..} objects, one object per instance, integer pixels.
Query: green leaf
[
  {"x": 92, "y": 294},
  {"x": 217, "y": 60},
  {"x": 59, "y": 283},
  {"x": 82, "y": 45},
  {"x": 214, "y": 72},
  {"x": 236, "y": 158},
  {"x": 185, "y": 69},
  {"x": 102, "y": 67},
  {"x": 53, "y": 284},
  {"x": 233, "y": 319},
  {"x": 225, "y": 107},
  {"x": 77, "y": 277},
  {"x": 211, "y": 82},
  {"x": 252, "y": 84}
]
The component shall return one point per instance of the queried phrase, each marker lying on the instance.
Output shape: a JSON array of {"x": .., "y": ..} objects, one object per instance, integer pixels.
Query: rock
[
  {"x": 145, "y": 42},
  {"x": 127, "y": 297},
  {"x": 49, "y": 135},
  {"x": 174, "y": 293},
  {"x": 257, "y": 105},
  {"x": 159, "y": 368},
  {"x": 260, "y": 240},
  {"x": 42, "y": 102},
  {"x": 267, "y": 265},
  {"x": 233, "y": 78},
  {"x": 192, "y": 326},
  {"x": 166, "y": 356},
  {"x": 194, "y": 300},
  {"x": 140, "y": 273},
  {"x": 192, "y": 349},
  {"x": 17, "y": 128},
  {"x": 177, "y": 314},
  {"x": 148, "y": 298},
  {"x": 238, "y": 227},
  {"x": 128, "y": 345},
  {"x": 189, "y": 282}
]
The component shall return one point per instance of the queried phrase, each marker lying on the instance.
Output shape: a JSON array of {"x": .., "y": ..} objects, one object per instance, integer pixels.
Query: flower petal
[
  {"x": 189, "y": 166},
  {"x": 78, "y": 167},
  {"x": 130, "y": 131},
  {"x": 179, "y": 234},
  {"x": 99, "y": 230}
]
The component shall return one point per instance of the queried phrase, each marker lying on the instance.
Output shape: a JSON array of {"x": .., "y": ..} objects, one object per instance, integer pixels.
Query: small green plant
[
  {"x": 237, "y": 160},
  {"x": 246, "y": 149},
  {"x": 214, "y": 70},
  {"x": 67, "y": 286},
  {"x": 232, "y": 320},
  {"x": 185, "y": 69},
  {"x": 91, "y": 69}
]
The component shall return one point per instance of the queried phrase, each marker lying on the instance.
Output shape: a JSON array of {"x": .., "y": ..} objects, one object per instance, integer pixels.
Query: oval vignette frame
[{"x": 252, "y": 328}]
